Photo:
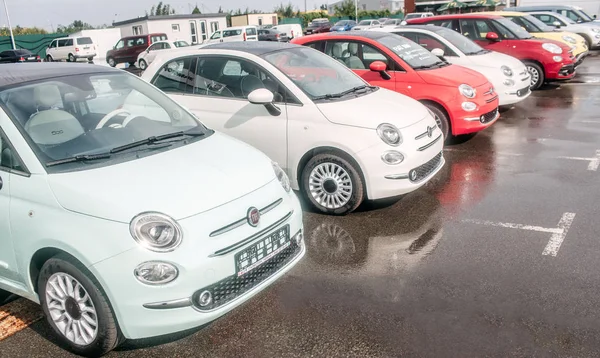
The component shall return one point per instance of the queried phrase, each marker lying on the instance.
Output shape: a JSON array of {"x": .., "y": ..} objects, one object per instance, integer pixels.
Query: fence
[{"x": 34, "y": 43}]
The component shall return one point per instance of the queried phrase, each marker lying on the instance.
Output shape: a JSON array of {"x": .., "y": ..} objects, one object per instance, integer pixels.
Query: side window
[
  {"x": 165, "y": 46},
  {"x": 153, "y": 47},
  {"x": 176, "y": 76},
  {"x": 503, "y": 32},
  {"x": 358, "y": 56},
  {"x": 53, "y": 43},
  {"x": 120, "y": 44},
  {"x": 451, "y": 24},
  {"x": 475, "y": 29},
  {"x": 69, "y": 42},
  {"x": 130, "y": 42},
  {"x": 429, "y": 42},
  {"x": 216, "y": 35},
  {"x": 8, "y": 157},
  {"x": 251, "y": 31},
  {"x": 62, "y": 43},
  {"x": 140, "y": 41},
  {"x": 571, "y": 15}
]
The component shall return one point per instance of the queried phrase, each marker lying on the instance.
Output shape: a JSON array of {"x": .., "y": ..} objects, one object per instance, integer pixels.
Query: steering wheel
[{"x": 110, "y": 115}]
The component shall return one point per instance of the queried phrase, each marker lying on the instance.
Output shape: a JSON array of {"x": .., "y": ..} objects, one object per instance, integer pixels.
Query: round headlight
[
  {"x": 507, "y": 71},
  {"x": 552, "y": 48},
  {"x": 389, "y": 134},
  {"x": 282, "y": 177},
  {"x": 469, "y": 106},
  {"x": 156, "y": 273},
  {"x": 392, "y": 157},
  {"x": 156, "y": 232},
  {"x": 467, "y": 90},
  {"x": 569, "y": 39},
  {"x": 508, "y": 82},
  {"x": 557, "y": 58}
]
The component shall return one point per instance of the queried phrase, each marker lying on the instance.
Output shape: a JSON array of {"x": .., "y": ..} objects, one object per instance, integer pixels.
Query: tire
[
  {"x": 325, "y": 173},
  {"x": 588, "y": 41},
  {"x": 143, "y": 65},
  {"x": 90, "y": 59},
  {"x": 441, "y": 118},
  {"x": 132, "y": 64},
  {"x": 105, "y": 335},
  {"x": 71, "y": 58},
  {"x": 111, "y": 62},
  {"x": 49, "y": 59},
  {"x": 535, "y": 70}
]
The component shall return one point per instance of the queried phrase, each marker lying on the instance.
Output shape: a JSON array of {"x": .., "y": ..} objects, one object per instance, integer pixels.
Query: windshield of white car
[
  {"x": 583, "y": 15},
  {"x": 89, "y": 116},
  {"x": 391, "y": 22},
  {"x": 412, "y": 16},
  {"x": 515, "y": 31},
  {"x": 463, "y": 43},
  {"x": 412, "y": 53},
  {"x": 181, "y": 44},
  {"x": 365, "y": 22},
  {"x": 316, "y": 74}
]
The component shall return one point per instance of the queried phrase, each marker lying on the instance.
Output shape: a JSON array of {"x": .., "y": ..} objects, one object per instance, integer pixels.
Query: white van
[
  {"x": 235, "y": 33},
  {"x": 292, "y": 30},
  {"x": 71, "y": 49}
]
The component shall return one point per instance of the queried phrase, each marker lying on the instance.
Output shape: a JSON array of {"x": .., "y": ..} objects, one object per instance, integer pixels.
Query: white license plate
[
  {"x": 255, "y": 255},
  {"x": 31, "y": 58}
]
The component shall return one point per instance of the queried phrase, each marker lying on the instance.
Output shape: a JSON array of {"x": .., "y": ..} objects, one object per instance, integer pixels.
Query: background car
[
  {"x": 272, "y": 35},
  {"x": 509, "y": 76},
  {"x": 71, "y": 49},
  {"x": 146, "y": 57},
  {"x": 462, "y": 101},
  {"x": 343, "y": 25},
  {"x": 591, "y": 34},
  {"x": 128, "y": 48},
  {"x": 341, "y": 140},
  {"x": 235, "y": 33},
  {"x": 574, "y": 13},
  {"x": 104, "y": 273},
  {"x": 417, "y": 15},
  {"x": 318, "y": 26},
  {"x": 546, "y": 60},
  {"x": 366, "y": 24},
  {"x": 392, "y": 22},
  {"x": 19, "y": 55},
  {"x": 291, "y": 30}
]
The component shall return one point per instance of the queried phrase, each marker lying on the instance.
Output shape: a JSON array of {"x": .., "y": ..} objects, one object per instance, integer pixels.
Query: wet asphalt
[{"x": 437, "y": 273}]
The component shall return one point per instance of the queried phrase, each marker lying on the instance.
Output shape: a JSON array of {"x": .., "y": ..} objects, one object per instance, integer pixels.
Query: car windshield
[
  {"x": 463, "y": 43},
  {"x": 316, "y": 74},
  {"x": 537, "y": 23},
  {"x": 583, "y": 15},
  {"x": 412, "y": 53},
  {"x": 84, "y": 41},
  {"x": 412, "y": 16},
  {"x": 391, "y": 22},
  {"x": 181, "y": 44},
  {"x": 83, "y": 121},
  {"x": 342, "y": 23},
  {"x": 365, "y": 22},
  {"x": 515, "y": 29}
]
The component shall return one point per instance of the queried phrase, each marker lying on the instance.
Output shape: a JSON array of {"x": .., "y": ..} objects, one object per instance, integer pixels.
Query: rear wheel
[
  {"x": 537, "y": 74},
  {"x": 72, "y": 58},
  {"x": 76, "y": 308},
  {"x": 49, "y": 58},
  {"x": 441, "y": 118},
  {"x": 111, "y": 62},
  {"x": 332, "y": 184}
]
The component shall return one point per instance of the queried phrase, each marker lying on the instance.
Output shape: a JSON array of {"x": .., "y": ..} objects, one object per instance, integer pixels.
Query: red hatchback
[
  {"x": 463, "y": 101},
  {"x": 546, "y": 60}
]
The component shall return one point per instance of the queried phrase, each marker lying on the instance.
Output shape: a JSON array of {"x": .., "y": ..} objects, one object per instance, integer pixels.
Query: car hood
[
  {"x": 452, "y": 76},
  {"x": 180, "y": 182},
  {"x": 369, "y": 111},
  {"x": 497, "y": 60}
]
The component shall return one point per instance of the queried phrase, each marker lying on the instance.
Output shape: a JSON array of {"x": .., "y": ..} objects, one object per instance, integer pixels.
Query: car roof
[
  {"x": 505, "y": 13},
  {"x": 12, "y": 74},
  {"x": 253, "y": 47},
  {"x": 431, "y": 28},
  {"x": 474, "y": 15},
  {"x": 374, "y": 35},
  {"x": 533, "y": 7}
]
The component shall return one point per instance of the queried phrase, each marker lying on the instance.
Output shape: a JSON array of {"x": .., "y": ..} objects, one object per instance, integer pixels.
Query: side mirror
[
  {"x": 492, "y": 36},
  {"x": 265, "y": 97},
  {"x": 380, "y": 66},
  {"x": 438, "y": 52},
  {"x": 556, "y": 24}
]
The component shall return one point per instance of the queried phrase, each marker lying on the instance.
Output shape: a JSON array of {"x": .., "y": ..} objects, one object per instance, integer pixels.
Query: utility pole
[
  {"x": 356, "y": 10},
  {"x": 12, "y": 38}
]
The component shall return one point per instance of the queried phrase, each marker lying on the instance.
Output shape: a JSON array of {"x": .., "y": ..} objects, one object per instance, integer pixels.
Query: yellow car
[{"x": 538, "y": 29}]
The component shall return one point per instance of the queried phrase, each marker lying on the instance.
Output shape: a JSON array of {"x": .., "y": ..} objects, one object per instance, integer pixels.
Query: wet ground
[{"x": 497, "y": 256}]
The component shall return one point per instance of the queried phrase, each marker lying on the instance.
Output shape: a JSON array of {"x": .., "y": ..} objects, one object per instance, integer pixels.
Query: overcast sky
[{"x": 51, "y": 13}]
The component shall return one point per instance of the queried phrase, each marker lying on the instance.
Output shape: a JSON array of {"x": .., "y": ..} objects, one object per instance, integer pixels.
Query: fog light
[
  {"x": 392, "y": 157},
  {"x": 557, "y": 58},
  {"x": 205, "y": 299},
  {"x": 508, "y": 82},
  {"x": 412, "y": 175},
  {"x": 469, "y": 106},
  {"x": 298, "y": 238},
  {"x": 156, "y": 273}
]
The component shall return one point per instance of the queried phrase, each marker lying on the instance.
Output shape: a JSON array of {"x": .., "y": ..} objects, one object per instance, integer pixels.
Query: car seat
[
  {"x": 50, "y": 125},
  {"x": 337, "y": 52},
  {"x": 249, "y": 82},
  {"x": 354, "y": 61}
]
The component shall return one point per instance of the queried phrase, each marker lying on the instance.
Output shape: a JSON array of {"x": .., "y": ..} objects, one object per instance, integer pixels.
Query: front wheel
[
  {"x": 72, "y": 58},
  {"x": 332, "y": 184},
  {"x": 537, "y": 74},
  {"x": 76, "y": 308},
  {"x": 441, "y": 119},
  {"x": 143, "y": 65},
  {"x": 49, "y": 58},
  {"x": 111, "y": 62}
]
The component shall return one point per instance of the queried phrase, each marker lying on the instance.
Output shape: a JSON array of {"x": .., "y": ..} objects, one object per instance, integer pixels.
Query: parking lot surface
[{"x": 497, "y": 256}]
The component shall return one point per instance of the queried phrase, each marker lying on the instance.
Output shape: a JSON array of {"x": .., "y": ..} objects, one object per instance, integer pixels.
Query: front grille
[
  {"x": 523, "y": 92},
  {"x": 566, "y": 70},
  {"x": 423, "y": 171},
  {"x": 233, "y": 286},
  {"x": 490, "y": 100},
  {"x": 489, "y": 116}
]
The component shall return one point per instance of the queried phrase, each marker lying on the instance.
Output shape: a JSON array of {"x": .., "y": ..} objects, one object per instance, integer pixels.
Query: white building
[
  {"x": 104, "y": 40},
  {"x": 370, "y": 5},
  {"x": 193, "y": 28},
  {"x": 254, "y": 19}
]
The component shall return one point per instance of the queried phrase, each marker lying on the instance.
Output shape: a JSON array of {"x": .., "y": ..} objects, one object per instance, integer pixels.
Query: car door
[
  {"x": 215, "y": 37},
  {"x": 215, "y": 88},
  {"x": 155, "y": 49}
]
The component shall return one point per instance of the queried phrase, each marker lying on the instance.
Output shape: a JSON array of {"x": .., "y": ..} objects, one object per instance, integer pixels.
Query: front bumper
[
  {"x": 515, "y": 95},
  {"x": 579, "y": 58},
  {"x": 203, "y": 261},
  {"x": 558, "y": 71},
  {"x": 86, "y": 55}
]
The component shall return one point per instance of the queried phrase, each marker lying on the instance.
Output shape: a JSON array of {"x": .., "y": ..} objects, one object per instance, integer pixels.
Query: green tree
[
  {"x": 196, "y": 10},
  {"x": 284, "y": 11},
  {"x": 75, "y": 26},
  {"x": 18, "y": 30},
  {"x": 161, "y": 9},
  {"x": 346, "y": 8},
  {"x": 220, "y": 10}
]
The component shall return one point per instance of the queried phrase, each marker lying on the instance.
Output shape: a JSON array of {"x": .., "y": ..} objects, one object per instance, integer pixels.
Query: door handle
[{"x": 1, "y": 183}]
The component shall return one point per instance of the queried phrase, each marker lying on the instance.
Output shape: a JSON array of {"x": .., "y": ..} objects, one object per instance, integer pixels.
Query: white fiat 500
[
  {"x": 340, "y": 140},
  {"x": 509, "y": 75},
  {"x": 124, "y": 216}
]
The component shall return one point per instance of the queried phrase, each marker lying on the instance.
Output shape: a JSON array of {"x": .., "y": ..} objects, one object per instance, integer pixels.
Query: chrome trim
[
  {"x": 396, "y": 176},
  {"x": 167, "y": 305},
  {"x": 430, "y": 144},
  {"x": 255, "y": 236},
  {"x": 241, "y": 222},
  {"x": 472, "y": 118},
  {"x": 426, "y": 133},
  {"x": 490, "y": 100}
]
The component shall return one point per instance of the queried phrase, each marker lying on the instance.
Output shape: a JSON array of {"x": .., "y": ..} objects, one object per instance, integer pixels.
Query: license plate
[
  {"x": 86, "y": 48},
  {"x": 255, "y": 255},
  {"x": 31, "y": 58}
]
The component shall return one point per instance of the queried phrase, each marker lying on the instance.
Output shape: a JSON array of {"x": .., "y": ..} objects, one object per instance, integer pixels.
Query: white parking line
[{"x": 558, "y": 233}]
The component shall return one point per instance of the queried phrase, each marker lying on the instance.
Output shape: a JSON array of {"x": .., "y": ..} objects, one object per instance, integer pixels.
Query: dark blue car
[{"x": 343, "y": 25}]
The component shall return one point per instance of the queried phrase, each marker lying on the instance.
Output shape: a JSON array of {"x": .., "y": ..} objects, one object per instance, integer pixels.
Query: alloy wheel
[
  {"x": 535, "y": 75},
  {"x": 330, "y": 185}
]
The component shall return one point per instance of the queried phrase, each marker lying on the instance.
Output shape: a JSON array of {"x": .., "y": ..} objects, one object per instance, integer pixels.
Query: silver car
[{"x": 588, "y": 30}]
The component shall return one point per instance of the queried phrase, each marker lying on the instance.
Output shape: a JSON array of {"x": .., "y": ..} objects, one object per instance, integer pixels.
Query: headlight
[
  {"x": 392, "y": 157},
  {"x": 282, "y": 177},
  {"x": 557, "y": 58},
  {"x": 156, "y": 273},
  {"x": 389, "y": 134},
  {"x": 569, "y": 39},
  {"x": 552, "y": 48},
  {"x": 467, "y": 91},
  {"x": 508, "y": 82},
  {"x": 507, "y": 71},
  {"x": 156, "y": 232},
  {"x": 469, "y": 106}
]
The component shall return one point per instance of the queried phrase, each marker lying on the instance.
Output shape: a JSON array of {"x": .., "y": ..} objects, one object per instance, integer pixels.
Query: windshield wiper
[
  {"x": 433, "y": 65},
  {"x": 357, "y": 89},
  {"x": 78, "y": 158},
  {"x": 154, "y": 139}
]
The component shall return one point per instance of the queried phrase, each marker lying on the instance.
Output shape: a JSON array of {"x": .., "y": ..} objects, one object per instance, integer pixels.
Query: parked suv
[
  {"x": 71, "y": 49},
  {"x": 236, "y": 33},
  {"x": 128, "y": 48}
]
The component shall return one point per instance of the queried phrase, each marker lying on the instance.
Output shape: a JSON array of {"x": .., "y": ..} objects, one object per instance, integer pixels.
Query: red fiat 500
[
  {"x": 463, "y": 101},
  {"x": 545, "y": 59}
]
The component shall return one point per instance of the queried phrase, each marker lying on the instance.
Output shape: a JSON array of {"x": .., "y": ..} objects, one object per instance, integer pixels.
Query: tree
[
  {"x": 18, "y": 30},
  {"x": 196, "y": 10},
  {"x": 220, "y": 10},
  {"x": 160, "y": 10},
  {"x": 323, "y": 7},
  {"x": 346, "y": 8},
  {"x": 75, "y": 26},
  {"x": 285, "y": 11}
]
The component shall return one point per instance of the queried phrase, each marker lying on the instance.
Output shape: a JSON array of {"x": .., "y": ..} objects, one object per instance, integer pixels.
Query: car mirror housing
[{"x": 492, "y": 36}]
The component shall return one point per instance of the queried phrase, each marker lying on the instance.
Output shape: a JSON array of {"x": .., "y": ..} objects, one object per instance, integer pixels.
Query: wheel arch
[
  {"x": 38, "y": 260},
  {"x": 442, "y": 107}
]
